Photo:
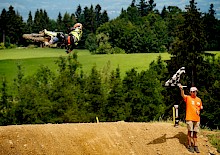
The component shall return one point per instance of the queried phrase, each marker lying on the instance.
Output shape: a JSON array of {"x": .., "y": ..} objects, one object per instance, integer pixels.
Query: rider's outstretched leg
[{"x": 71, "y": 43}]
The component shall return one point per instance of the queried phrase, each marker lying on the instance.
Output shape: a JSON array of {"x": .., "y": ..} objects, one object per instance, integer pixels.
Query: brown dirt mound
[{"x": 119, "y": 138}]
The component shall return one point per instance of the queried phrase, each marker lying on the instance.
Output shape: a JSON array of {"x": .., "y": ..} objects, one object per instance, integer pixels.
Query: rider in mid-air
[
  {"x": 74, "y": 37},
  {"x": 70, "y": 40}
]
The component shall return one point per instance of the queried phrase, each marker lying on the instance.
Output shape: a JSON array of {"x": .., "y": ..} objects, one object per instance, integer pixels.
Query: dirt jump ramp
[{"x": 119, "y": 138}]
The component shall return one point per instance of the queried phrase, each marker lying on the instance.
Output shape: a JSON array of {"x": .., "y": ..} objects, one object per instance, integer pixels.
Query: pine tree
[
  {"x": 164, "y": 12},
  {"x": 42, "y": 23},
  {"x": 132, "y": 94},
  {"x": 14, "y": 26},
  {"x": 92, "y": 19},
  {"x": 45, "y": 20},
  {"x": 116, "y": 108},
  {"x": 60, "y": 24},
  {"x": 10, "y": 23},
  {"x": 78, "y": 14},
  {"x": 3, "y": 25},
  {"x": 94, "y": 96},
  {"x": 98, "y": 16},
  {"x": 104, "y": 17},
  {"x": 150, "y": 6},
  {"x": 142, "y": 7},
  {"x": 29, "y": 23},
  {"x": 36, "y": 27},
  {"x": 133, "y": 3},
  {"x": 133, "y": 14},
  {"x": 151, "y": 105},
  {"x": 188, "y": 49},
  {"x": 212, "y": 29},
  {"x": 5, "y": 105},
  {"x": 67, "y": 21},
  {"x": 123, "y": 13},
  {"x": 176, "y": 13}
]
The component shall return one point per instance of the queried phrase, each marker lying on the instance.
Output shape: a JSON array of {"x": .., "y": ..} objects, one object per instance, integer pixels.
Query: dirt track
[{"x": 119, "y": 138}]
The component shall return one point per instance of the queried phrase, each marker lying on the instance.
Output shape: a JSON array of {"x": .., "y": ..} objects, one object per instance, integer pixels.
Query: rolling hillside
[{"x": 32, "y": 59}]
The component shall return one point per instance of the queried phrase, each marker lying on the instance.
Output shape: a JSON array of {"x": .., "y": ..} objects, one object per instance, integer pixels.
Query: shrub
[
  {"x": 91, "y": 43},
  {"x": 117, "y": 50},
  {"x": 104, "y": 48},
  {"x": 11, "y": 46},
  {"x": 162, "y": 49},
  {"x": 215, "y": 141},
  {"x": 2, "y": 46}
]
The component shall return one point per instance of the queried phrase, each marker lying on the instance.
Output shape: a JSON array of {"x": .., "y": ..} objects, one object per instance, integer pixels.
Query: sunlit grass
[
  {"x": 26, "y": 53},
  {"x": 215, "y": 140},
  {"x": 32, "y": 59}
]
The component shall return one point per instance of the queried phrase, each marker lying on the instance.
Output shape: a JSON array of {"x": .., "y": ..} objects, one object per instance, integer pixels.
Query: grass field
[{"x": 32, "y": 59}]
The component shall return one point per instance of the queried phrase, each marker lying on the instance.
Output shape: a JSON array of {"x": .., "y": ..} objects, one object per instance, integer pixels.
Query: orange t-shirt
[{"x": 193, "y": 106}]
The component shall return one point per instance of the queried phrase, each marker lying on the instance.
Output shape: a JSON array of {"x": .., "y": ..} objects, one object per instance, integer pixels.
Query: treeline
[
  {"x": 71, "y": 96},
  {"x": 142, "y": 28},
  {"x": 138, "y": 29}
]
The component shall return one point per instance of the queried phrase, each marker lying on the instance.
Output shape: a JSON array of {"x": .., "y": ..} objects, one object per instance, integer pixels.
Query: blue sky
[{"x": 113, "y": 7}]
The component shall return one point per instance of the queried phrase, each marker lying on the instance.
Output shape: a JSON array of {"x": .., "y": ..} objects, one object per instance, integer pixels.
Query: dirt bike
[{"x": 44, "y": 39}]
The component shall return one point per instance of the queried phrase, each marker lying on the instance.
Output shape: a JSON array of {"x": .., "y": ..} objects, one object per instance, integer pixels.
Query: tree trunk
[{"x": 3, "y": 36}]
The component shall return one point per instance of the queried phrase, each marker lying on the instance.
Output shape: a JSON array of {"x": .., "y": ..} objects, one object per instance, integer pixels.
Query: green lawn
[
  {"x": 32, "y": 59},
  {"x": 215, "y": 52},
  {"x": 124, "y": 61},
  {"x": 26, "y": 53}
]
